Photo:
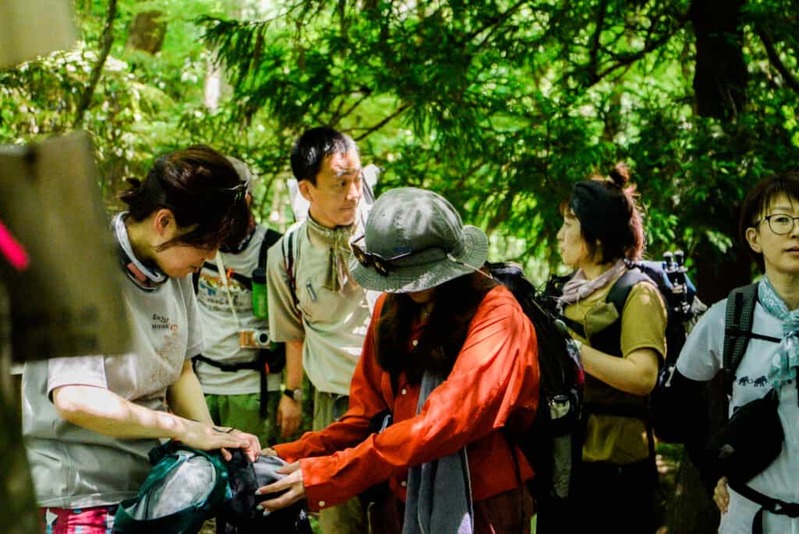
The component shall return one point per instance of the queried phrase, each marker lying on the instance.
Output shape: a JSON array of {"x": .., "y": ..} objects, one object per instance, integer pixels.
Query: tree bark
[
  {"x": 106, "y": 40},
  {"x": 147, "y": 32},
  {"x": 720, "y": 77}
]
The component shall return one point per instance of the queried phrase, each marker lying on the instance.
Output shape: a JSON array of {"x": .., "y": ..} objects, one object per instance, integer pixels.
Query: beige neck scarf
[{"x": 337, "y": 240}]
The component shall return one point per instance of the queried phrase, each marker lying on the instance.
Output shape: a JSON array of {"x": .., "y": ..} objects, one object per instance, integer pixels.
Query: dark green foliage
[{"x": 498, "y": 104}]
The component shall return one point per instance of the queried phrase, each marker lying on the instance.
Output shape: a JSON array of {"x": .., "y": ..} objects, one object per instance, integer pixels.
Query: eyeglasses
[
  {"x": 779, "y": 223},
  {"x": 382, "y": 265},
  {"x": 239, "y": 191}
]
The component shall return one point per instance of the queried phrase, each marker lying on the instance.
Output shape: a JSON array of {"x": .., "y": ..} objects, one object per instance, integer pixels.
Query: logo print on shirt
[{"x": 161, "y": 322}]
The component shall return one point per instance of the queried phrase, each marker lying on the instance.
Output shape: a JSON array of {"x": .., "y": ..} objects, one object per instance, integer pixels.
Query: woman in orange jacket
[{"x": 453, "y": 358}]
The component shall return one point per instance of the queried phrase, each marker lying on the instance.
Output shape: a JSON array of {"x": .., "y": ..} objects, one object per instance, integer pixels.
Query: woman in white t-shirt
[
  {"x": 89, "y": 421},
  {"x": 768, "y": 226}
]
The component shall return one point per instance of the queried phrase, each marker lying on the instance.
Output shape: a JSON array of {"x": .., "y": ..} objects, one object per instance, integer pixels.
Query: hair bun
[{"x": 620, "y": 174}]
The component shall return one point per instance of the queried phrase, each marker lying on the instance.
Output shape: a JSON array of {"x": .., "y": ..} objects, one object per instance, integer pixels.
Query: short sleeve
[
  {"x": 701, "y": 356},
  {"x": 643, "y": 321},
  {"x": 76, "y": 371},
  {"x": 285, "y": 319},
  {"x": 194, "y": 337}
]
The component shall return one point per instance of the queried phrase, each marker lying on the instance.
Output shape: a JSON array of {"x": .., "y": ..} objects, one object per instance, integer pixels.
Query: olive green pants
[{"x": 242, "y": 413}]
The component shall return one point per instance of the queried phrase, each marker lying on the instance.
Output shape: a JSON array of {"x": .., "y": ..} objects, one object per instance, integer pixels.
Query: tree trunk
[
  {"x": 147, "y": 32},
  {"x": 720, "y": 77},
  {"x": 106, "y": 41}
]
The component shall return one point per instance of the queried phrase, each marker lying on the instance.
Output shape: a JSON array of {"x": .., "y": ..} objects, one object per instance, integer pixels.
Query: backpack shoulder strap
[
  {"x": 738, "y": 322},
  {"x": 270, "y": 238},
  {"x": 624, "y": 284},
  {"x": 290, "y": 247}
]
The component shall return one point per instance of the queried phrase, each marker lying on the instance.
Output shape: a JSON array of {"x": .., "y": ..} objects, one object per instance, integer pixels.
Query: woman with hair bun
[
  {"x": 621, "y": 352},
  {"x": 89, "y": 421}
]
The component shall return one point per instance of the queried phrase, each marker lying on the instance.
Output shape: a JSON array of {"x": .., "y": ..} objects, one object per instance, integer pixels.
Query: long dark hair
[{"x": 442, "y": 338}]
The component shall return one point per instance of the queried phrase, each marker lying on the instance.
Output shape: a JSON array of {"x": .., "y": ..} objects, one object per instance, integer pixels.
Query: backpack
[
  {"x": 188, "y": 486},
  {"x": 185, "y": 487},
  {"x": 239, "y": 513},
  {"x": 682, "y": 307},
  {"x": 552, "y": 444},
  {"x": 268, "y": 360}
]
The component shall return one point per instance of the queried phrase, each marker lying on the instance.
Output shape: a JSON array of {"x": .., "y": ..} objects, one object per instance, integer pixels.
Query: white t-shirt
[
  {"x": 74, "y": 467},
  {"x": 220, "y": 328},
  {"x": 700, "y": 359}
]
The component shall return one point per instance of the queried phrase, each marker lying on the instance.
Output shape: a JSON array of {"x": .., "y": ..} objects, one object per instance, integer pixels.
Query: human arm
[
  {"x": 369, "y": 391},
  {"x": 286, "y": 325},
  {"x": 186, "y": 399},
  {"x": 103, "y": 411},
  {"x": 636, "y": 373},
  {"x": 495, "y": 375},
  {"x": 289, "y": 412}
]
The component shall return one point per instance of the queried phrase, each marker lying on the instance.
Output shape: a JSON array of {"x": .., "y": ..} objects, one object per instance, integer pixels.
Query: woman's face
[
  {"x": 776, "y": 236},
  {"x": 571, "y": 245},
  {"x": 178, "y": 260}
]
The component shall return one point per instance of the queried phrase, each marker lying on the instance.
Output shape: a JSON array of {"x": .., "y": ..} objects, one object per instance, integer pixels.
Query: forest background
[{"x": 499, "y": 105}]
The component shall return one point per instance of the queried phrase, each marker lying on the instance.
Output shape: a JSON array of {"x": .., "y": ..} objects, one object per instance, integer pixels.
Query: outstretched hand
[
  {"x": 208, "y": 438},
  {"x": 291, "y": 484}
]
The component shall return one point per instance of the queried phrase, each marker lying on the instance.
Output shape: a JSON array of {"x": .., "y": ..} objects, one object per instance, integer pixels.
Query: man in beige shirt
[{"x": 315, "y": 306}]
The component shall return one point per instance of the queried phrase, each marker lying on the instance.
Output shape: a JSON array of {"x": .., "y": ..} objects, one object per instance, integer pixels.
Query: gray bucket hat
[{"x": 415, "y": 240}]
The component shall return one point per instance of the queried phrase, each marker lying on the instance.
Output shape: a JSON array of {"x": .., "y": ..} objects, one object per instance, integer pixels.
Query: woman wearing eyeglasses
[
  {"x": 452, "y": 357},
  {"x": 89, "y": 421},
  {"x": 768, "y": 225},
  {"x": 602, "y": 230}
]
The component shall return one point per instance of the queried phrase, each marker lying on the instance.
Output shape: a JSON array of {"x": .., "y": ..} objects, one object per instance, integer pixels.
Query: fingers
[
  {"x": 288, "y": 468},
  {"x": 721, "y": 495},
  {"x": 287, "y": 499},
  {"x": 225, "y": 454},
  {"x": 292, "y": 483},
  {"x": 269, "y": 451}
]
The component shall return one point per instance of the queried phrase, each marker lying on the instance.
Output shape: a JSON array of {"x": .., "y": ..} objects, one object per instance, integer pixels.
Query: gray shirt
[{"x": 74, "y": 467}]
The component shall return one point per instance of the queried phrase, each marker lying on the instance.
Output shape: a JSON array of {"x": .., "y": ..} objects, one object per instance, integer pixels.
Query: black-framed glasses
[
  {"x": 780, "y": 223},
  {"x": 239, "y": 191}
]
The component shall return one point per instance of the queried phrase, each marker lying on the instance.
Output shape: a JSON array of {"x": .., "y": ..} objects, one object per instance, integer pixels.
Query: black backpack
[
  {"x": 679, "y": 296},
  {"x": 552, "y": 444}
]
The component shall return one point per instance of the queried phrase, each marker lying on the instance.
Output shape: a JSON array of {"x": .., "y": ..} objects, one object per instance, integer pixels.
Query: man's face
[{"x": 334, "y": 199}]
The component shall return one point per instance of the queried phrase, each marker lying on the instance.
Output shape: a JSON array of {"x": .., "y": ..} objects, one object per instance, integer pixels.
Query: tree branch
[
  {"x": 383, "y": 122},
  {"x": 106, "y": 40},
  {"x": 494, "y": 23},
  {"x": 593, "y": 54},
  {"x": 774, "y": 58}
]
